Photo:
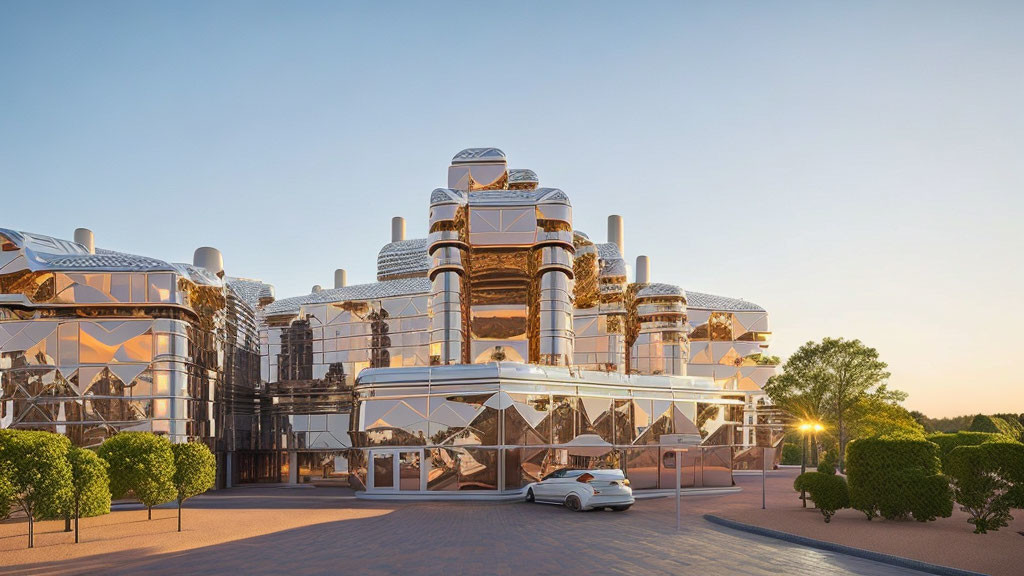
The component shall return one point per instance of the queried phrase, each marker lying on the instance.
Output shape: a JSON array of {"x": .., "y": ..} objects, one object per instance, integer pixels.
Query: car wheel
[
  {"x": 529, "y": 495},
  {"x": 572, "y": 502},
  {"x": 621, "y": 508}
]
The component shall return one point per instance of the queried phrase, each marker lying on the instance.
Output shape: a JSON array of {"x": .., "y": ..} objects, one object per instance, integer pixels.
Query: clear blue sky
[{"x": 854, "y": 167}]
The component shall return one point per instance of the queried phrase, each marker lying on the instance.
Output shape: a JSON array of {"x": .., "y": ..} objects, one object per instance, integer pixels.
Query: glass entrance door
[
  {"x": 394, "y": 470},
  {"x": 409, "y": 472},
  {"x": 383, "y": 471}
]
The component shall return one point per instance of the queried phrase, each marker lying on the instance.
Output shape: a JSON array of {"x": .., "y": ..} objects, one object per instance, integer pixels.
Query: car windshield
[
  {"x": 563, "y": 473},
  {"x": 613, "y": 474}
]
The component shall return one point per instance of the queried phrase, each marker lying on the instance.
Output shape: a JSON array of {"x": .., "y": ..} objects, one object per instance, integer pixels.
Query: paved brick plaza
[{"x": 270, "y": 530}]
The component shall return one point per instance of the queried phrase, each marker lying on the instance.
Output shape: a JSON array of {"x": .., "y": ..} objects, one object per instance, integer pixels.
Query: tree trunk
[
  {"x": 31, "y": 540},
  {"x": 67, "y": 521},
  {"x": 150, "y": 509},
  {"x": 78, "y": 513},
  {"x": 842, "y": 446},
  {"x": 179, "y": 515}
]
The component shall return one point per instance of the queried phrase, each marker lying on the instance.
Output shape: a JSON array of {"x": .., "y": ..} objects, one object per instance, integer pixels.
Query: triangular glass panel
[
  {"x": 127, "y": 372},
  {"x": 86, "y": 376}
]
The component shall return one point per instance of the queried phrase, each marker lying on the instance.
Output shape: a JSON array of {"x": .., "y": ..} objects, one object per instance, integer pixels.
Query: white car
[{"x": 583, "y": 490}]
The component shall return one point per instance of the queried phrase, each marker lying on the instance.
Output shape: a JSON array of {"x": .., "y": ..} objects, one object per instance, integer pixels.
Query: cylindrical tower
[
  {"x": 397, "y": 229},
  {"x": 446, "y": 246},
  {"x": 612, "y": 283},
  {"x": 554, "y": 277},
  {"x": 209, "y": 258},
  {"x": 85, "y": 237},
  {"x": 554, "y": 254},
  {"x": 643, "y": 269},
  {"x": 661, "y": 346},
  {"x": 615, "y": 233}
]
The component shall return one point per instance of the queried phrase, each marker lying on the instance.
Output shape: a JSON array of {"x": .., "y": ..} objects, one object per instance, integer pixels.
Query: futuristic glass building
[{"x": 503, "y": 346}]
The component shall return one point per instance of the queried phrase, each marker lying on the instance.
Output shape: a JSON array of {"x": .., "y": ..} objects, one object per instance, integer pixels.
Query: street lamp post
[
  {"x": 677, "y": 453},
  {"x": 803, "y": 460},
  {"x": 804, "y": 429}
]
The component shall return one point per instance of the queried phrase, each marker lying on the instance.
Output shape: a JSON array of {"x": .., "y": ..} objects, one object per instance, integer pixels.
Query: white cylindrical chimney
[
  {"x": 209, "y": 258},
  {"x": 340, "y": 278},
  {"x": 266, "y": 295},
  {"x": 316, "y": 288},
  {"x": 615, "y": 234},
  {"x": 397, "y": 229},
  {"x": 643, "y": 269},
  {"x": 84, "y": 237}
]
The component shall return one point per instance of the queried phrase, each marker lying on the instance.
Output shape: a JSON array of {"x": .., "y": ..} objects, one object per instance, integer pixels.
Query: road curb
[{"x": 898, "y": 561}]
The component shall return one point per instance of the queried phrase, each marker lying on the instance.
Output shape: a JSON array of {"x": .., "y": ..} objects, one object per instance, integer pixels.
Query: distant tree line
[{"x": 1008, "y": 424}]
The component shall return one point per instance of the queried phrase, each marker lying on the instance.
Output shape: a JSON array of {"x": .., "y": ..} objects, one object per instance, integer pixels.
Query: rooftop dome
[{"x": 473, "y": 155}]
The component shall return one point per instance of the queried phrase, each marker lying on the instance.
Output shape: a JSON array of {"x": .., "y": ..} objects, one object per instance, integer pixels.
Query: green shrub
[
  {"x": 947, "y": 442},
  {"x": 802, "y": 482},
  {"x": 988, "y": 480},
  {"x": 141, "y": 464},
  {"x": 829, "y": 492},
  {"x": 897, "y": 478},
  {"x": 827, "y": 464},
  {"x": 791, "y": 454},
  {"x": 927, "y": 497}
]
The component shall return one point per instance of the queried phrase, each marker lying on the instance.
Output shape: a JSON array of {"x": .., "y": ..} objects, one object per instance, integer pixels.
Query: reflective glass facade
[
  {"x": 95, "y": 343},
  {"x": 520, "y": 343}
]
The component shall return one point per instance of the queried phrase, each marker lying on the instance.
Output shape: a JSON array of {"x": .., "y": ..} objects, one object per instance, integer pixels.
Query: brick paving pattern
[{"x": 330, "y": 532}]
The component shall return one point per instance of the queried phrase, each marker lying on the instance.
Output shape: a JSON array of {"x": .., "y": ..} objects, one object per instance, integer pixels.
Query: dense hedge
[
  {"x": 828, "y": 491},
  {"x": 947, "y": 442},
  {"x": 988, "y": 480},
  {"x": 897, "y": 478}
]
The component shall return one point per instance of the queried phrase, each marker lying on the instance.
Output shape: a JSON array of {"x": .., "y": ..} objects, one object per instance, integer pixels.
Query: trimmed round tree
[
  {"x": 828, "y": 491},
  {"x": 141, "y": 464},
  {"x": 195, "y": 471},
  {"x": 38, "y": 472},
  {"x": 90, "y": 485}
]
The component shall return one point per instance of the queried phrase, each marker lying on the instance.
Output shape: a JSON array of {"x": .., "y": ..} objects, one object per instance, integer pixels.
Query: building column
[{"x": 293, "y": 467}]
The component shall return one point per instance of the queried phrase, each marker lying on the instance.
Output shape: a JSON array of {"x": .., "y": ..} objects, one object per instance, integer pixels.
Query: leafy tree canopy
[
  {"x": 141, "y": 464},
  {"x": 874, "y": 416},
  {"x": 835, "y": 381},
  {"x": 195, "y": 469},
  {"x": 89, "y": 483},
  {"x": 37, "y": 470}
]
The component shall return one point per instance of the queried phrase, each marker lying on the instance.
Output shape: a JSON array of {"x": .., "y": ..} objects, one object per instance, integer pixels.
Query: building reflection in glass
[{"x": 504, "y": 345}]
